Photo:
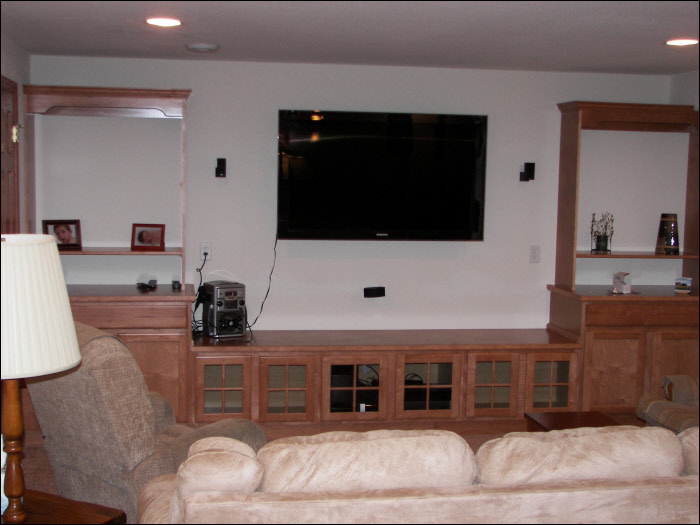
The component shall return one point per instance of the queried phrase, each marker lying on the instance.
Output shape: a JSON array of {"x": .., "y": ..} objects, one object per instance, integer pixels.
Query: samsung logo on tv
[{"x": 382, "y": 235}]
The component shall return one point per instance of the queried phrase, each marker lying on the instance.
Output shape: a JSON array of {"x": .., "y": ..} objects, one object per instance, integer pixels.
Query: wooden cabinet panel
[
  {"x": 643, "y": 314},
  {"x": 613, "y": 369},
  {"x": 137, "y": 315},
  {"x": 162, "y": 358},
  {"x": 670, "y": 352}
]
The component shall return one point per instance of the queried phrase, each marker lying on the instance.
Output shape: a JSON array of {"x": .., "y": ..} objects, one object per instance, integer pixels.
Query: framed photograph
[
  {"x": 148, "y": 237},
  {"x": 66, "y": 232}
]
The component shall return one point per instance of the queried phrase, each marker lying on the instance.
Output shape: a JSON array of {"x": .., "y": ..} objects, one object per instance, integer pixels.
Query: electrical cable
[
  {"x": 197, "y": 326},
  {"x": 269, "y": 285}
]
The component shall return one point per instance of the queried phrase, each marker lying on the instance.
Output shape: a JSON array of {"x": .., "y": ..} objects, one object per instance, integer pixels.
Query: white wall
[{"x": 232, "y": 113}]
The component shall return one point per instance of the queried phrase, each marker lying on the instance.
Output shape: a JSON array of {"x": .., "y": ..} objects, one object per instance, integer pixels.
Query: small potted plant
[{"x": 601, "y": 233}]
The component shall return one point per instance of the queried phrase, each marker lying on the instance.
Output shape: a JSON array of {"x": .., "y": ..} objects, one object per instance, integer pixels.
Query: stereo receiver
[{"x": 224, "y": 313}]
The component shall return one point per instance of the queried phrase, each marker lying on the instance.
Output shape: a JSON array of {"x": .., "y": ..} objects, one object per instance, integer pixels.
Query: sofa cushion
[
  {"x": 689, "y": 444},
  {"x": 380, "y": 459},
  {"x": 620, "y": 452},
  {"x": 219, "y": 464}
]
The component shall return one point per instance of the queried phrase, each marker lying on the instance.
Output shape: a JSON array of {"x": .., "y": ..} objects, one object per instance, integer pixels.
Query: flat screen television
[{"x": 381, "y": 176}]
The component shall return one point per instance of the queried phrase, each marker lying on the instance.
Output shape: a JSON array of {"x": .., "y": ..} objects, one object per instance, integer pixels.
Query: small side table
[
  {"x": 42, "y": 507},
  {"x": 545, "y": 421}
]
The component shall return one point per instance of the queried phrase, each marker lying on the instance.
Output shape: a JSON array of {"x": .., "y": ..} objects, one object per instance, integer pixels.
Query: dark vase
[
  {"x": 667, "y": 239},
  {"x": 601, "y": 244}
]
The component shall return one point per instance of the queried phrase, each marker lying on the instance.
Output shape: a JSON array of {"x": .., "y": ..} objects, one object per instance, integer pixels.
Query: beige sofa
[{"x": 619, "y": 474}]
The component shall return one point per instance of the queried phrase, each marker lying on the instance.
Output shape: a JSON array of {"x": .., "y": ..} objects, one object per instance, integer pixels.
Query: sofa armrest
[
  {"x": 162, "y": 410},
  {"x": 243, "y": 430}
]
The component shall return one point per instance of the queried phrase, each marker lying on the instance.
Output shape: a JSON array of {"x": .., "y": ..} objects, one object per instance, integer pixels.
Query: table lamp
[{"x": 38, "y": 338}]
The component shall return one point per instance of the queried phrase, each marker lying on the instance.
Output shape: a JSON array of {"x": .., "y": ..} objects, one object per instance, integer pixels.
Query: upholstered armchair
[
  {"x": 106, "y": 435},
  {"x": 675, "y": 409}
]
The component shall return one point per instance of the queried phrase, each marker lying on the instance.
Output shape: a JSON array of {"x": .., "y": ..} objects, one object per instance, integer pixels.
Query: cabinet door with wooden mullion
[
  {"x": 493, "y": 384},
  {"x": 223, "y": 388},
  {"x": 355, "y": 388},
  {"x": 551, "y": 382},
  {"x": 427, "y": 386},
  {"x": 286, "y": 389}
]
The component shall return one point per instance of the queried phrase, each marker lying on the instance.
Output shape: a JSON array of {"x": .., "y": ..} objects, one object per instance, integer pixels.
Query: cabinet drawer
[
  {"x": 141, "y": 315},
  {"x": 644, "y": 314}
]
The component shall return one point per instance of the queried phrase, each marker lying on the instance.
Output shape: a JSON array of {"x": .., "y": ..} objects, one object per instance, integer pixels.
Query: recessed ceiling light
[
  {"x": 202, "y": 47},
  {"x": 163, "y": 22},
  {"x": 681, "y": 42}
]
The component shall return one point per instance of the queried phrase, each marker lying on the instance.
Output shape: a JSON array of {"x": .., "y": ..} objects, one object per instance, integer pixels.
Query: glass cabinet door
[
  {"x": 286, "y": 389},
  {"x": 223, "y": 388},
  {"x": 493, "y": 381},
  {"x": 427, "y": 386},
  {"x": 551, "y": 382},
  {"x": 354, "y": 388}
]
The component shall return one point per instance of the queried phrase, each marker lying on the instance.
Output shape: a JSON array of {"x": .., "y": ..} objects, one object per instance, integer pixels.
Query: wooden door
[{"x": 10, "y": 158}]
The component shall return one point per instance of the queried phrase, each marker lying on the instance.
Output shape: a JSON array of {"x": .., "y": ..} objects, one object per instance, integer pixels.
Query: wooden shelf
[
  {"x": 640, "y": 293},
  {"x": 631, "y": 255},
  {"x": 121, "y": 251}
]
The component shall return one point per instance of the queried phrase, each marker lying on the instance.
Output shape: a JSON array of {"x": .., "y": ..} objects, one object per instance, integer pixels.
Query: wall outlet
[
  {"x": 534, "y": 253},
  {"x": 204, "y": 247}
]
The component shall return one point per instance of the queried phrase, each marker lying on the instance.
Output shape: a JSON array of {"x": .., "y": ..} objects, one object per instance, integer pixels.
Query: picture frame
[
  {"x": 148, "y": 237},
  {"x": 65, "y": 231}
]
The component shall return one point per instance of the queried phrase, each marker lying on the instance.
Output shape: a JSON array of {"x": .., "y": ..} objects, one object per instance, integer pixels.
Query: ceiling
[{"x": 607, "y": 37}]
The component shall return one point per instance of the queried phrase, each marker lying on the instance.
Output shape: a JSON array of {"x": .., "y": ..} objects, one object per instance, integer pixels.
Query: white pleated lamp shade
[{"x": 38, "y": 334}]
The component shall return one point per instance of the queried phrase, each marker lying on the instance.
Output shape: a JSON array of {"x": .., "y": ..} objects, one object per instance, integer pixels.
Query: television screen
[{"x": 381, "y": 176}]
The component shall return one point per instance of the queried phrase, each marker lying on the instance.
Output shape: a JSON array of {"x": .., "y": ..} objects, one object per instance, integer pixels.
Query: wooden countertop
[
  {"x": 129, "y": 293},
  {"x": 639, "y": 293},
  {"x": 421, "y": 340}
]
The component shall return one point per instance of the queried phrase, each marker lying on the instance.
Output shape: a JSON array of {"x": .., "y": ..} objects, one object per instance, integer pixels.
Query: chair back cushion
[
  {"x": 98, "y": 413},
  {"x": 380, "y": 459}
]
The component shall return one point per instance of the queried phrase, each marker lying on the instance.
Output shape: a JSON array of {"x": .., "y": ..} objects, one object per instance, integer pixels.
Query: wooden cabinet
[
  {"x": 315, "y": 381},
  {"x": 154, "y": 325},
  {"x": 629, "y": 342}
]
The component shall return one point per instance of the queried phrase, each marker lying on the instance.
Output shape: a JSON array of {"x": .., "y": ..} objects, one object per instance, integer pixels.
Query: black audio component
[
  {"x": 225, "y": 313},
  {"x": 220, "y": 168},
  {"x": 375, "y": 291}
]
